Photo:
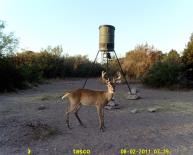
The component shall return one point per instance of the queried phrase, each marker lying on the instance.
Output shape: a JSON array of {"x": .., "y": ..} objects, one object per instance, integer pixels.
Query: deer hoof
[
  {"x": 84, "y": 126},
  {"x": 69, "y": 126},
  {"x": 102, "y": 129}
]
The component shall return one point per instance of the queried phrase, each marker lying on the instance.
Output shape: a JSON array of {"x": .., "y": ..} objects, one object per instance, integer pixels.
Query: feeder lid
[{"x": 111, "y": 26}]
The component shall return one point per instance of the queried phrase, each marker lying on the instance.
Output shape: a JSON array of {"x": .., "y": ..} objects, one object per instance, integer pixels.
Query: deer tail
[{"x": 65, "y": 95}]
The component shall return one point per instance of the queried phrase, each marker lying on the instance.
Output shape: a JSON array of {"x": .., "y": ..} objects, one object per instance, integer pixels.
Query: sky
[{"x": 165, "y": 24}]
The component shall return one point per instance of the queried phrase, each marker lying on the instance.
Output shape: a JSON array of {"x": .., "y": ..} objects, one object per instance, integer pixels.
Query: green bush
[
  {"x": 88, "y": 70},
  {"x": 187, "y": 59},
  {"x": 26, "y": 68},
  {"x": 164, "y": 74},
  {"x": 10, "y": 76},
  {"x": 30, "y": 73}
]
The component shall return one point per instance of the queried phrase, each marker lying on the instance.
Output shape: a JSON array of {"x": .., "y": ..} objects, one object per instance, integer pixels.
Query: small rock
[
  {"x": 41, "y": 107},
  {"x": 116, "y": 107},
  {"x": 108, "y": 107},
  {"x": 132, "y": 96},
  {"x": 134, "y": 111},
  {"x": 111, "y": 103},
  {"x": 133, "y": 90},
  {"x": 116, "y": 104},
  {"x": 152, "y": 109},
  {"x": 113, "y": 98}
]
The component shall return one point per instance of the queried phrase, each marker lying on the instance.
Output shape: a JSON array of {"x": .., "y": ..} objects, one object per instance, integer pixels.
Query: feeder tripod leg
[
  {"x": 91, "y": 69},
  {"x": 122, "y": 72},
  {"x": 107, "y": 67}
]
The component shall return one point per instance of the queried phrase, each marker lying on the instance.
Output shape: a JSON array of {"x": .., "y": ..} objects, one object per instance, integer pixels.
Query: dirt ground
[{"x": 34, "y": 119}]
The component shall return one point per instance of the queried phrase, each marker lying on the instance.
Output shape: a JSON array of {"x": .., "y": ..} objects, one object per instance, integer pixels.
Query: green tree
[
  {"x": 164, "y": 74},
  {"x": 173, "y": 56},
  {"x": 56, "y": 51},
  {"x": 8, "y": 42},
  {"x": 187, "y": 57}
]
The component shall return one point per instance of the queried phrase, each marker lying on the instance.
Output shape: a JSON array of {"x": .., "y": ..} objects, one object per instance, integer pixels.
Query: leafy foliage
[
  {"x": 138, "y": 61},
  {"x": 31, "y": 67},
  {"x": 10, "y": 76},
  {"x": 187, "y": 59},
  {"x": 164, "y": 74},
  {"x": 169, "y": 72},
  {"x": 172, "y": 56},
  {"x": 8, "y": 42}
]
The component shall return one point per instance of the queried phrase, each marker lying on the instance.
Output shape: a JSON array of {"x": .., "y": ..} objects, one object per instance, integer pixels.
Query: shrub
[
  {"x": 22, "y": 69},
  {"x": 10, "y": 76},
  {"x": 187, "y": 59},
  {"x": 85, "y": 70},
  {"x": 164, "y": 74},
  {"x": 173, "y": 56},
  {"x": 138, "y": 61},
  {"x": 30, "y": 73}
]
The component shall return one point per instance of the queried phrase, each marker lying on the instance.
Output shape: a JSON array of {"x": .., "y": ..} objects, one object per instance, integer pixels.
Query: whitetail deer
[{"x": 91, "y": 97}]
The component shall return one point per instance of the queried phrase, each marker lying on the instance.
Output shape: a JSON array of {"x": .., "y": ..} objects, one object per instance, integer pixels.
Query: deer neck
[{"x": 109, "y": 94}]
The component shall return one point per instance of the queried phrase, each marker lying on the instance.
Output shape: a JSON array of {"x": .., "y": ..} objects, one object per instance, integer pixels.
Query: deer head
[
  {"x": 111, "y": 83},
  {"x": 115, "y": 79}
]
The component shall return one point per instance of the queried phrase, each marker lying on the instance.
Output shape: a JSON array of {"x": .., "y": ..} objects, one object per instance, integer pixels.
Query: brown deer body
[{"x": 99, "y": 99}]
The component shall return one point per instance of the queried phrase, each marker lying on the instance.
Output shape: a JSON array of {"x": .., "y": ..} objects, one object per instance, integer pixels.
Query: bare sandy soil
[{"x": 34, "y": 119}]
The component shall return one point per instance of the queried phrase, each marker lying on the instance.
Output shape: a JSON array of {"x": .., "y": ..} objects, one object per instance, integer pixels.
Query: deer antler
[{"x": 104, "y": 76}]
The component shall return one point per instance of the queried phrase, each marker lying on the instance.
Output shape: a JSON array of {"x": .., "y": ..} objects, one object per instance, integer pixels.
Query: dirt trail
[{"x": 34, "y": 119}]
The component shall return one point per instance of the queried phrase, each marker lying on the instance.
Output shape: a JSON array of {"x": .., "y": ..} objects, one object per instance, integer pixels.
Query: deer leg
[
  {"x": 67, "y": 121},
  {"x": 78, "y": 118},
  {"x": 72, "y": 109},
  {"x": 103, "y": 125},
  {"x": 66, "y": 116},
  {"x": 100, "y": 115}
]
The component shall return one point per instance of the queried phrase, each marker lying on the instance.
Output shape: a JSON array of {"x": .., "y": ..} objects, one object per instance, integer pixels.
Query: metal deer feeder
[
  {"x": 106, "y": 47},
  {"x": 106, "y": 38}
]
